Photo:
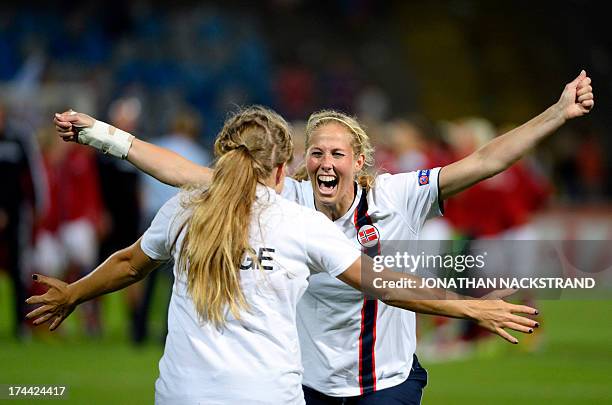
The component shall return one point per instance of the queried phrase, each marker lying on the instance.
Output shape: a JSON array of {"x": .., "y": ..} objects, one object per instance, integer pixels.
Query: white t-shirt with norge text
[{"x": 254, "y": 360}]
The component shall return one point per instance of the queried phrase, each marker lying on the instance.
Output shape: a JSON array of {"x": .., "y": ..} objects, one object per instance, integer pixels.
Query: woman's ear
[
  {"x": 359, "y": 162},
  {"x": 280, "y": 173}
]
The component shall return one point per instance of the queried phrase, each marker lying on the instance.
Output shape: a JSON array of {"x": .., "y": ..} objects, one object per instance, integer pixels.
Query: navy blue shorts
[{"x": 407, "y": 393}]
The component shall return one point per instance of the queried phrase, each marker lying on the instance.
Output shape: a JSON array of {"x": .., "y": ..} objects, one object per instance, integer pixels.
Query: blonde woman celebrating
[
  {"x": 356, "y": 349},
  {"x": 243, "y": 256}
]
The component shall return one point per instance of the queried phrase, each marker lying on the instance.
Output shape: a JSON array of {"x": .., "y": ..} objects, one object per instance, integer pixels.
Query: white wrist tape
[{"x": 107, "y": 139}]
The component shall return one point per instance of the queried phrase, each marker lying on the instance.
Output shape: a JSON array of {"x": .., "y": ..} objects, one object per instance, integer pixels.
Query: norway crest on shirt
[
  {"x": 423, "y": 177},
  {"x": 368, "y": 236}
]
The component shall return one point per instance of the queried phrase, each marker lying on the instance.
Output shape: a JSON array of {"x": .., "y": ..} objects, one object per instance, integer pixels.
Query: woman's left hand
[{"x": 577, "y": 98}]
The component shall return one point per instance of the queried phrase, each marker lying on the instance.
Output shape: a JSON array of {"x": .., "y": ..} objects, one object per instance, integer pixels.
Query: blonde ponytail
[{"x": 251, "y": 144}]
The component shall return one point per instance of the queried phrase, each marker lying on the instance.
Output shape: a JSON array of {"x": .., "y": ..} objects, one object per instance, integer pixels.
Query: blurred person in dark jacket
[
  {"x": 19, "y": 158},
  {"x": 121, "y": 194}
]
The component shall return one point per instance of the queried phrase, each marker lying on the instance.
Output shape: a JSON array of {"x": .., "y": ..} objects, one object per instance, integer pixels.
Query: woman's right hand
[
  {"x": 68, "y": 122},
  {"x": 57, "y": 302}
]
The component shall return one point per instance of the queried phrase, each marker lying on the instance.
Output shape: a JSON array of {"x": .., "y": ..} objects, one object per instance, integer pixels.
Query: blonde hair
[
  {"x": 360, "y": 143},
  {"x": 251, "y": 144}
]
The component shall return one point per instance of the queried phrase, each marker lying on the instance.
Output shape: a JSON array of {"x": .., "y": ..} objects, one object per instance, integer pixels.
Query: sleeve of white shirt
[
  {"x": 327, "y": 248},
  {"x": 157, "y": 240},
  {"x": 417, "y": 192}
]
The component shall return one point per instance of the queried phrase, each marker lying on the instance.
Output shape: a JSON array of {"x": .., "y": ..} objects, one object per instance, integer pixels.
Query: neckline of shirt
[
  {"x": 349, "y": 214},
  {"x": 264, "y": 191}
]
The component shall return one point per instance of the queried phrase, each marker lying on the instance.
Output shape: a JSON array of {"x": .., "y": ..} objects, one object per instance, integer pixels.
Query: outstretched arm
[
  {"x": 490, "y": 312},
  {"x": 121, "y": 269},
  {"x": 163, "y": 164},
  {"x": 500, "y": 153},
  {"x": 167, "y": 166}
]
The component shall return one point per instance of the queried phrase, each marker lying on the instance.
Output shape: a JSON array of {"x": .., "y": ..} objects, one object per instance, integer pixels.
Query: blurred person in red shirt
[
  {"x": 67, "y": 235},
  {"x": 499, "y": 204},
  {"x": 590, "y": 163},
  {"x": 498, "y": 208}
]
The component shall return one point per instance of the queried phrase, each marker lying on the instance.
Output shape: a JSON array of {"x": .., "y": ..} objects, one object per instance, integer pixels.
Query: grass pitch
[{"x": 573, "y": 365}]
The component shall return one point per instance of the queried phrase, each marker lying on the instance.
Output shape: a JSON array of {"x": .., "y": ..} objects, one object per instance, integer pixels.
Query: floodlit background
[{"x": 431, "y": 81}]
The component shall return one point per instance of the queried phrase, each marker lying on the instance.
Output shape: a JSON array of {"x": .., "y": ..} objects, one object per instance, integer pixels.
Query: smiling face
[{"x": 332, "y": 166}]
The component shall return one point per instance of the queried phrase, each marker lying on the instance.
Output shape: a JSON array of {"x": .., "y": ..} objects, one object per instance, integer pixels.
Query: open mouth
[{"x": 327, "y": 184}]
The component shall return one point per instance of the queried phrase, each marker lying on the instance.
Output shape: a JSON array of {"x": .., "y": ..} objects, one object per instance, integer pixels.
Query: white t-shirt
[
  {"x": 350, "y": 347},
  {"x": 255, "y": 360}
]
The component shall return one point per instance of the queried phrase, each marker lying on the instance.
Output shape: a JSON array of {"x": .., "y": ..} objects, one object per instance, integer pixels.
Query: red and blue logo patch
[
  {"x": 423, "y": 177},
  {"x": 368, "y": 236}
]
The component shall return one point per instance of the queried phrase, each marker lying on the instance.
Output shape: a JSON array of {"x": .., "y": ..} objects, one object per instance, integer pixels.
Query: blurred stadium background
[{"x": 430, "y": 81}]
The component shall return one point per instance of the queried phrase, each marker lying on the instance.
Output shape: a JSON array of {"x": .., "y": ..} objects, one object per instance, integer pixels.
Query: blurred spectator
[
  {"x": 385, "y": 159},
  {"x": 416, "y": 143},
  {"x": 372, "y": 104},
  {"x": 590, "y": 165},
  {"x": 17, "y": 204},
  {"x": 182, "y": 139},
  {"x": 517, "y": 192},
  {"x": 579, "y": 164},
  {"x": 120, "y": 184},
  {"x": 67, "y": 235},
  {"x": 498, "y": 208},
  {"x": 409, "y": 146}
]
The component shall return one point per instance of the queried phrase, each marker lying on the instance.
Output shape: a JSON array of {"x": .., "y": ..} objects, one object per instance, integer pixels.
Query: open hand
[
  {"x": 57, "y": 303},
  {"x": 495, "y": 315}
]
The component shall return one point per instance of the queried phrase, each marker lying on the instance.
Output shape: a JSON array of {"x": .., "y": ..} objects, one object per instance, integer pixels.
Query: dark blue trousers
[{"x": 407, "y": 393}]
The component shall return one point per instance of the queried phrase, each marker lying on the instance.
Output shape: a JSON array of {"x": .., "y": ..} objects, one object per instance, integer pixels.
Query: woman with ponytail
[{"x": 243, "y": 259}]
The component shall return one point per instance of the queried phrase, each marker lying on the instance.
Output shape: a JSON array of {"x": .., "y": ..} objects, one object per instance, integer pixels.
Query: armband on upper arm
[{"x": 107, "y": 139}]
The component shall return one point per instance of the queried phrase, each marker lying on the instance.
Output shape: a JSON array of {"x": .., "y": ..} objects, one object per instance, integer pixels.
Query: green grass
[
  {"x": 104, "y": 370},
  {"x": 572, "y": 367}
]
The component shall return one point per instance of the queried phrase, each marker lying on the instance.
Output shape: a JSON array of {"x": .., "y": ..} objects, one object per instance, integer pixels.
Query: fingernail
[
  {"x": 530, "y": 330},
  {"x": 537, "y": 312},
  {"x": 515, "y": 342},
  {"x": 537, "y": 325},
  {"x": 34, "y": 277}
]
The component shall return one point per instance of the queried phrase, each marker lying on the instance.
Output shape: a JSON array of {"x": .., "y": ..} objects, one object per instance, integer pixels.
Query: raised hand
[
  {"x": 577, "y": 98},
  {"x": 56, "y": 302},
  {"x": 68, "y": 122},
  {"x": 72, "y": 126}
]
